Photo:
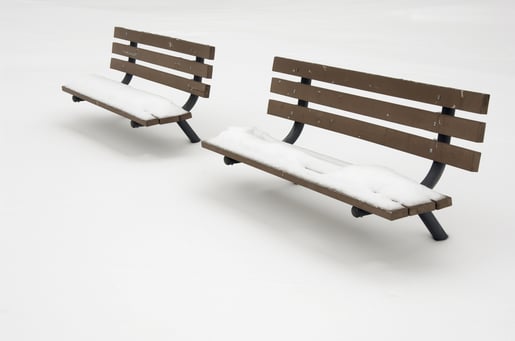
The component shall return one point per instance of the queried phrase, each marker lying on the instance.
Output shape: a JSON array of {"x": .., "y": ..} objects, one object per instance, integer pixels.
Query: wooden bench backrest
[
  {"x": 442, "y": 122},
  {"x": 134, "y": 52}
]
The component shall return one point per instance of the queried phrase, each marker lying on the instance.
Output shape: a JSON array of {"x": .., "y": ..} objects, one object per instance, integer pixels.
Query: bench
[
  {"x": 368, "y": 189},
  {"x": 163, "y": 60}
]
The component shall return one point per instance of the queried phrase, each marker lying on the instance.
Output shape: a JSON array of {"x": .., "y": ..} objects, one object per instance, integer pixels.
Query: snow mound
[
  {"x": 375, "y": 185},
  {"x": 140, "y": 103}
]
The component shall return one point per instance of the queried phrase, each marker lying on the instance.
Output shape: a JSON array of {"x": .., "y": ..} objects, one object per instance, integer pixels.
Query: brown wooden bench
[
  {"x": 369, "y": 189},
  {"x": 164, "y": 60}
]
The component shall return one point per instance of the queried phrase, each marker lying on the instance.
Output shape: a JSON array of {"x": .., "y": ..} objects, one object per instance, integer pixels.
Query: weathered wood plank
[
  {"x": 423, "y": 119},
  {"x": 413, "y": 144},
  {"x": 176, "y": 63},
  {"x": 181, "y": 83},
  {"x": 432, "y": 94},
  {"x": 164, "y": 42}
]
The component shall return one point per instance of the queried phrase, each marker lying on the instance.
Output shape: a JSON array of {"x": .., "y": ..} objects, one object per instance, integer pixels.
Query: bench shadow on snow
[
  {"x": 115, "y": 133},
  {"x": 324, "y": 228}
]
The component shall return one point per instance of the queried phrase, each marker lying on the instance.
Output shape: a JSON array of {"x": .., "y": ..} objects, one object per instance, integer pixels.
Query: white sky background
[{"x": 111, "y": 233}]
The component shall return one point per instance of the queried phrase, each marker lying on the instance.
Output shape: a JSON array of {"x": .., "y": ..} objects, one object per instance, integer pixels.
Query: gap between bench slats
[
  {"x": 423, "y": 119},
  {"x": 172, "y": 62},
  {"x": 164, "y": 42},
  {"x": 426, "y": 93},
  {"x": 417, "y": 145},
  {"x": 181, "y": 83}
]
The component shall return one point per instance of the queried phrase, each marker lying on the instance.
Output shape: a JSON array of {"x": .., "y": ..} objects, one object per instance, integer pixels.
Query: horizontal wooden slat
[
  {"x": 422, "y": 208},
  {"x": 164, "y": 42},
  {"x": 184, "y": 84},
  {"x": 442, "y": 96},
  {"x": 145, "y": 123},
  {"x": 427, "y": 148},
  {"x": 445, "y": 202},
  {"x": 413, "y": 117},
  {"x": 176, "y": 63},
  {"x": 391, "y": 215}
]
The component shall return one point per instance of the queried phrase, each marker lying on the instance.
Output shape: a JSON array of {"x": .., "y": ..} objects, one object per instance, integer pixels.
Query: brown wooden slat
[
  {"x": 173, "y": 119},
  {"x": 442, "y": 203},
  {"x": 442, "y": 96},
  {"x": 390, "y": 215},
  {"x": 414, "y": 117},
  {"x": 420, "y": 146},
  {"x": 418, "y": 209},
  {"x": 164, "y": 42},
  {"x": 430, "y": 206},
  {"x": 176, "y": 63},
  {"x": 184, "y": 84},
  {"x": 145, "y": 123}
]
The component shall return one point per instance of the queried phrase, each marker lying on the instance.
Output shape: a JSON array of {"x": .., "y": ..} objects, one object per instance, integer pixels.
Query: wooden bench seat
[
  {"x": 137, "y": 105},
  {"x": 396, "y": 124},
  {"x": 376, "y": 189},
  {"x": 155, "y": 62}
]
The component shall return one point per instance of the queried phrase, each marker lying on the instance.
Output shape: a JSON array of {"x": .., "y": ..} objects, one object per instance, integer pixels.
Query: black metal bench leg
[
  {"x": 228, "y": 161},
  {"x": 358, "y": 212},
  {"x": 188, "y": 131},
  {"x": 76, "y": 99},
  {"x": 433, "y": 226}
]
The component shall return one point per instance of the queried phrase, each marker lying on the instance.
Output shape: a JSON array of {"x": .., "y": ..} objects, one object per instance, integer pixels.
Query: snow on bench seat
[
  {"x": 141, "y": 106},
  {"x": 373, "y": 188}
]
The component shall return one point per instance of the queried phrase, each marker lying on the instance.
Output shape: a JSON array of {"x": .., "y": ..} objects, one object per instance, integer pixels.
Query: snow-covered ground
[{"x": 113, "y": 233}]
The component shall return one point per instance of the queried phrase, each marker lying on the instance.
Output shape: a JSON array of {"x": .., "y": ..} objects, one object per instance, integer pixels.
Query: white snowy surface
[
  {"x": 137, "y": 102},
  {"x": 374, "y": 185},
  {"x": 113, "y": 233}
]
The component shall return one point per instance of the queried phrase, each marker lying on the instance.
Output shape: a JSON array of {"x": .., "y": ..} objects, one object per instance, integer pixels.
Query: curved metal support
[
  {"x": 433, "y": 226},
  {"x": 430, "y": 181},
  {"x": 437, "y": 168},
  {"x": 127, "y": 78},
  {"x": 190, "y": 102},
  {"x": 434, "y": 174},
  {"x": 76, "y": 99},
  {"x": 186, "y": 128},
  {"x": 294, "y": 133},
  {"x": 297, "y": 127}
]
